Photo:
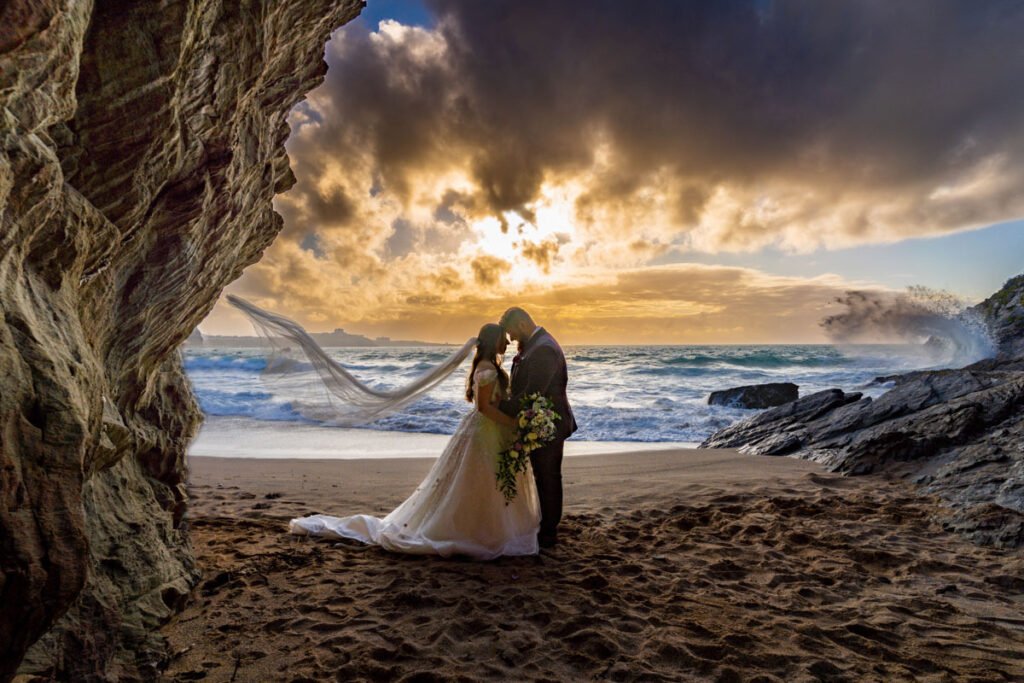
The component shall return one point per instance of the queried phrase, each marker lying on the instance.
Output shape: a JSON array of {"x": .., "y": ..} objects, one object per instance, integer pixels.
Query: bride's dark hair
[{"x": 487, "y": 341}]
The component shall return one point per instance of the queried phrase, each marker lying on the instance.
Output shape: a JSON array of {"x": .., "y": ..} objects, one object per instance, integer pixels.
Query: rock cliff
[
  {"x": 1004, "y": 314},
  {"x": 959, "y": 434},
  {"x": 141, "y": 144}
]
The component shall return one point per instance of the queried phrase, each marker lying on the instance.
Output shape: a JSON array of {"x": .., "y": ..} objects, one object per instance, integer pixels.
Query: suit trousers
[{"x": 547, "y": 472}]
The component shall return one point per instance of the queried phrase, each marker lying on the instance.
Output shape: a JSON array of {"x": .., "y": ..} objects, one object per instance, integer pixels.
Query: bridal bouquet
[{"x": 536, "y": 423}]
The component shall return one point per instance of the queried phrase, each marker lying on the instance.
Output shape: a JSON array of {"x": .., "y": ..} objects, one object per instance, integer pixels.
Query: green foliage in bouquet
[{"x": 535, "y": 427}]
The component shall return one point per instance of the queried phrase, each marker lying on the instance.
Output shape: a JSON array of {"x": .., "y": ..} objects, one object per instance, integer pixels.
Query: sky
[{"x": 647, "y": 172}]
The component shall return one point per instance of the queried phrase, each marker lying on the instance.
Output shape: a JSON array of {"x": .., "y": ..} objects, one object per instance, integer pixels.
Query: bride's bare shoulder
[{"x": 485, "y": 365}]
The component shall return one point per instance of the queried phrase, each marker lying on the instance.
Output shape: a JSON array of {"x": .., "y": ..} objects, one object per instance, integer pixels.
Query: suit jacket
[{"x": 540, "y": 368}]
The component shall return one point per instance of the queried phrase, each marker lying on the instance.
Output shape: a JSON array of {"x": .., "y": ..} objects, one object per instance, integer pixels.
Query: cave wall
[{"x": 141, "y": 144}]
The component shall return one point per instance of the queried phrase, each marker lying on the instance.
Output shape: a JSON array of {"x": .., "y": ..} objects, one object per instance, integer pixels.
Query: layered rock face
[
  {"x": 1004, "y": 313},
  {"x": 957, "y": 433},
  {"x": 141, "y": 144}
]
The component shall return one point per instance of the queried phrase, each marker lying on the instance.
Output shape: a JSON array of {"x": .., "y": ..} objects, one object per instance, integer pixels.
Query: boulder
[
  {"x": 755, "y": 395},
  {"x": 778, "y": 431}
]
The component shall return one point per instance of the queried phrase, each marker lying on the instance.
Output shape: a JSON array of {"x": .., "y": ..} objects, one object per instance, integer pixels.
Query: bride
[{"x": 457, "y": 509}]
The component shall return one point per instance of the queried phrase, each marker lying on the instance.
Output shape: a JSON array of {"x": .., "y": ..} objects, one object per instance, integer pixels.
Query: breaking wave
[{"x": 943, "y": 324}]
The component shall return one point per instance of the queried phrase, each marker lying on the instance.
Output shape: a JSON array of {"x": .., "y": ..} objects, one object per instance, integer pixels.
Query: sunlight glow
[
  {"x": 533, "y": 248},
  {"x": 555, "y": 211},
  {"x": 491, "y": 239}
]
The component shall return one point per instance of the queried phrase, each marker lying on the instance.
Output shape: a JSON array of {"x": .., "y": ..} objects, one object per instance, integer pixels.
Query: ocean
[{"x": 641, "y": 394}]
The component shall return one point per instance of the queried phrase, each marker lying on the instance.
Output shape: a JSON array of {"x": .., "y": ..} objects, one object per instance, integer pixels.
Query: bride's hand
[{"x": 489, "y": 407}]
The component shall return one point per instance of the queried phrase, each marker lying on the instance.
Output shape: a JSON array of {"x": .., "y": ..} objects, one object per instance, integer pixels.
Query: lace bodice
[{"x": 484, "y": 376}]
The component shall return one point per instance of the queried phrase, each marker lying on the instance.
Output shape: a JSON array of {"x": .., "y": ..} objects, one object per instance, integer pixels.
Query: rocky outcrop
[
  {"x": 756, "y": 395},
  {"x": 1003, "y": 312},
  {"x": 959, "y": 434},
  {"x": 141, "y": 144}
]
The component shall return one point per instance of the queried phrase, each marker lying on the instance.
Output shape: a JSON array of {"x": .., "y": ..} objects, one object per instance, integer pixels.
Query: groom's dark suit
[{"x": 539, "y": 367}]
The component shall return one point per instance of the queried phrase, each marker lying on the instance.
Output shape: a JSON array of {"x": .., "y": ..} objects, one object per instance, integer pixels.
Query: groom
[{"x": 539, "y": 367}]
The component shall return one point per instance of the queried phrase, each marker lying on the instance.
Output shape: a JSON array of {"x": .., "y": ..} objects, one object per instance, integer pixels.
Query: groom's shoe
[{"x": 547, "y": 540}]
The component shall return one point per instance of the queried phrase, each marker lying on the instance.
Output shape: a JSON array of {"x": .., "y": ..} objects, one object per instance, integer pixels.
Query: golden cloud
[
  {"x": 487, "y": 270},
  {"x": 677, "y": 304},
  {"x": 450, "y": 170}
]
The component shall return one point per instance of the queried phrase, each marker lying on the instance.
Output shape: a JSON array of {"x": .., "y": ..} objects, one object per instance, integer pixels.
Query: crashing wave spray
[{"x": 941, "y": 322}]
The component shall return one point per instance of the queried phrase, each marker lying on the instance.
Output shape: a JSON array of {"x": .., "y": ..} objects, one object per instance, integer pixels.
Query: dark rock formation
[
  {"x": 1004, "y": 314},
  {"x": 756, "y": 395},
  {"x": 957, "y": 433},
  {"x": 141, "y": 144}
]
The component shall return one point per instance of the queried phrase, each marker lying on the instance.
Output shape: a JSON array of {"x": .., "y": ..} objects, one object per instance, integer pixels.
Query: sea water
[{"x": 618, "y": 393}]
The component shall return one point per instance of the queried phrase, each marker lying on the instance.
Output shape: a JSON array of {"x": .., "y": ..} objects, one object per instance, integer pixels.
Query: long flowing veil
[{"x": 348, "y": 401}]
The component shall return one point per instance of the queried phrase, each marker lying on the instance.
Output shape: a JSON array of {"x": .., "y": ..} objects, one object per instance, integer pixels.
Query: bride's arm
[{"x": 490, "y": 408}]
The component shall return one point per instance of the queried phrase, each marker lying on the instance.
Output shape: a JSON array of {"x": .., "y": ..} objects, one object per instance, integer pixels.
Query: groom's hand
[{"x": 509, "y": 407}]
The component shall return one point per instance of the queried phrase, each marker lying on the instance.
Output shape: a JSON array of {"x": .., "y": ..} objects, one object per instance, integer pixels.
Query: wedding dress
[{"x": 457, "y": 509}]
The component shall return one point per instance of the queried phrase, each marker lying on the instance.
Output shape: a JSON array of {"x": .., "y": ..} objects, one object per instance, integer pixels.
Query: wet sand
[{"x": 673, "y": 565}]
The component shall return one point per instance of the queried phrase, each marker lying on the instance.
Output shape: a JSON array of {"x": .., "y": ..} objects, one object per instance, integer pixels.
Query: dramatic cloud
[
  {"x": 489, "y": 269},
  {"x": 730, "y": 125},
  {"x": 525, "y": 145}
]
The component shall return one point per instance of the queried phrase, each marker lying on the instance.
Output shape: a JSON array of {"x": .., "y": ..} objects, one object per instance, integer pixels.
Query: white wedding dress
[{"x": 457, "y": 509}]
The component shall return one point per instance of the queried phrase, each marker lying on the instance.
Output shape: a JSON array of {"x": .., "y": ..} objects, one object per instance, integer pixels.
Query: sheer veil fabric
[
  {"x": 338, "y": 397},
  {"x": 457, "y": 509}
]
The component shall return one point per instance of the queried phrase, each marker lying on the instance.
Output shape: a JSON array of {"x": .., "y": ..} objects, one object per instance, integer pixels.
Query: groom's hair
[{"x": 514, "y": 316}]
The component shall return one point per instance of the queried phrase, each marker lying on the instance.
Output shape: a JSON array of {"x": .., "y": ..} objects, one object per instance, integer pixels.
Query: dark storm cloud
[
  {"x": 329, "y": 206},
  {"x": 908, "y": 114},
  {"x": 737, "y": 87}
]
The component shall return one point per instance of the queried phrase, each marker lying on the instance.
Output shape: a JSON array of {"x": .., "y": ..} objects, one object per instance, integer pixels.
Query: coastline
[
  {"x": 619, "y": 394},
  {"x": 676, "y": 564},
  {"x": 242, "y": 437}
]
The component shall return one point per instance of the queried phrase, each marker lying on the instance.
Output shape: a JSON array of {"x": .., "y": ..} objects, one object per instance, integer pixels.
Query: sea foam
[{"x": 618, "y": 393}]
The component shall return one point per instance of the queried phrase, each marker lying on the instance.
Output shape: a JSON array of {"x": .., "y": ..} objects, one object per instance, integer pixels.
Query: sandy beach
[{"x": 674, "y": 565}]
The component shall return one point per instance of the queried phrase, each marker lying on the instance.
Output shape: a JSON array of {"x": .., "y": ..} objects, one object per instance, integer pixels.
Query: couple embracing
[{"x": 458, "y": 508}]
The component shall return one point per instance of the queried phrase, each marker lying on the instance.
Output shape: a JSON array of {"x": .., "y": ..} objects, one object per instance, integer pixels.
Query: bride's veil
[{"x": 348, "y": 401}]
